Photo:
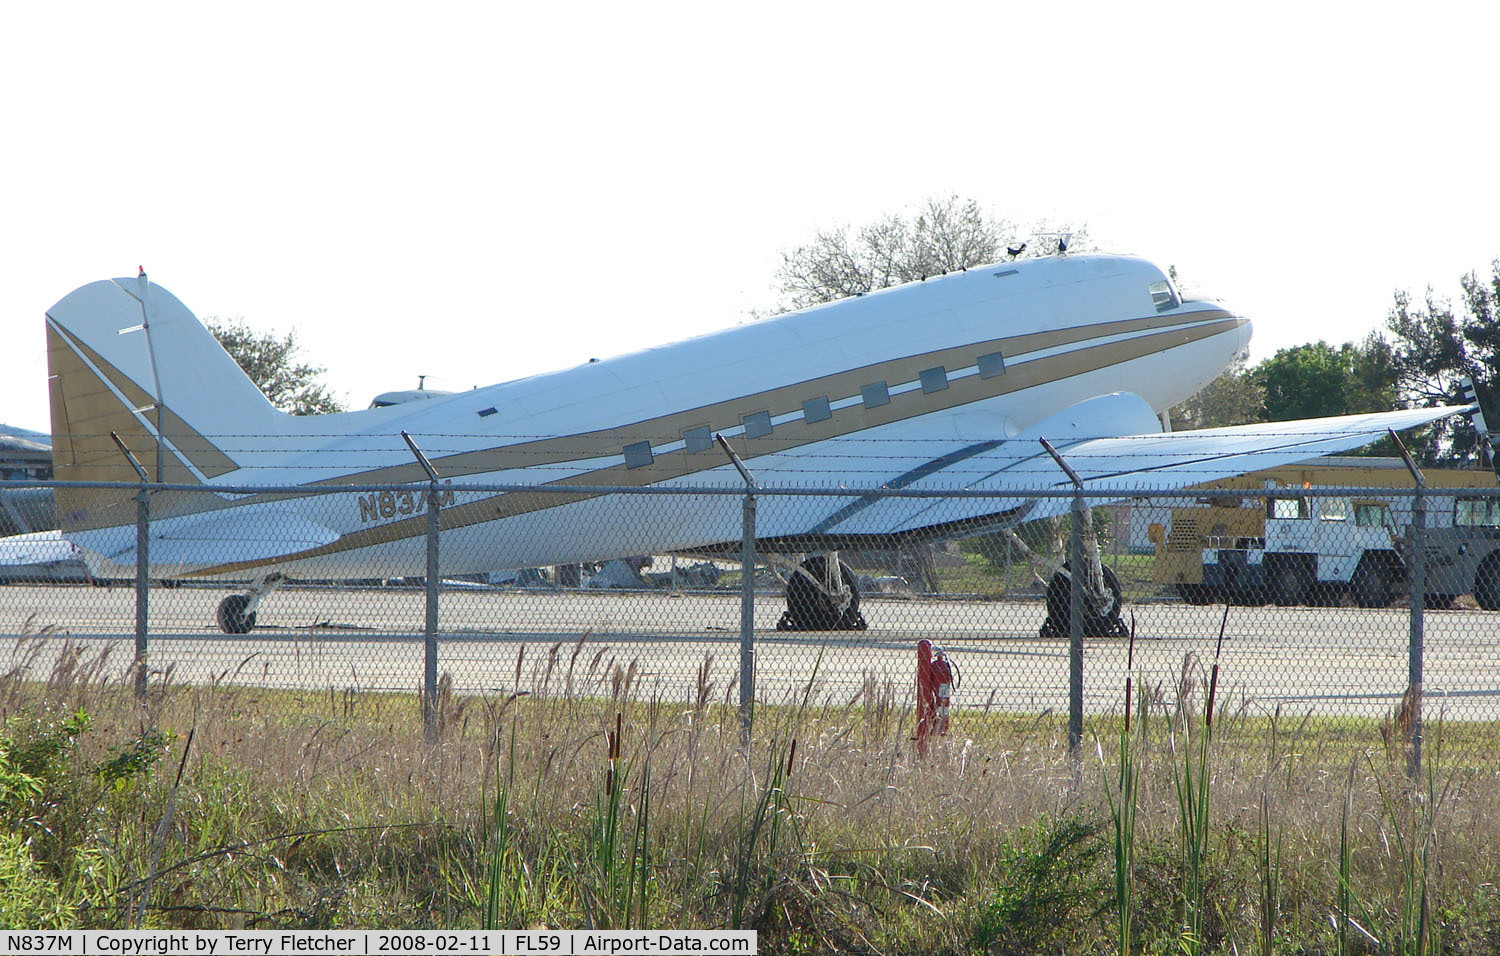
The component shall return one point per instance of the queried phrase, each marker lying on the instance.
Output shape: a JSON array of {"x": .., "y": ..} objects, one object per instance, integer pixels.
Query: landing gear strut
[
  {"x": 818, "y": 598},
  {"x": 236, "y": 612}
]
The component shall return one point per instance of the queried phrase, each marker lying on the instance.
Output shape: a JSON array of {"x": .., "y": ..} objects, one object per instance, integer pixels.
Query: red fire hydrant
[{"x": 934, "y": 692}]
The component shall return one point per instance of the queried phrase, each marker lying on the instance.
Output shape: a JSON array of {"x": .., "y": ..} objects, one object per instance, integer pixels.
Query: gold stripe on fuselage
[
  {"x": 786, "y": 436},
  {"x": 787, "y": 399}
]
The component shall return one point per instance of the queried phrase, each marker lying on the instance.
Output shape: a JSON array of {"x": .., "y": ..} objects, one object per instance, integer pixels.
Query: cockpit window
[{"x": 1163, "y": 296}]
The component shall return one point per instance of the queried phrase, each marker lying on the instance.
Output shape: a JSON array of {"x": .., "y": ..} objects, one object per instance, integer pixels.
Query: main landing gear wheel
[
  {"x": 809, "y": 606},
  {"x": 1097, "y": 622},
  {"x": 233, "y": 618}
]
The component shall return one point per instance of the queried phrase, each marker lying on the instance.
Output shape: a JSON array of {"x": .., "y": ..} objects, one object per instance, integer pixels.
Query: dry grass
[{"x": 328, "y": 808}]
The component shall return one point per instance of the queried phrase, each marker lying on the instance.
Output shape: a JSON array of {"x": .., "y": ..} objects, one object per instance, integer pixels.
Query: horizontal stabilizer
[
  {"x": 38, "y": 547},
  {"x": 228, "y": 538}
]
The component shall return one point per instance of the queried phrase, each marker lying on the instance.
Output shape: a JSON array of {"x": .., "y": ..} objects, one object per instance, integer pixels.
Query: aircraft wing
[{"x": 1114, "y": 465}]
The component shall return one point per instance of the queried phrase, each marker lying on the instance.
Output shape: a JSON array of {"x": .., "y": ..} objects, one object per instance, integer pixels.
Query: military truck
[
  {"x": 1316, "y": 549},
  {"x": 1271, "y": 542}
]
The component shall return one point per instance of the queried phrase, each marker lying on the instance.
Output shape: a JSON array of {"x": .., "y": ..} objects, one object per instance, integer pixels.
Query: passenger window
[
  {"x": 757, "y": 424},
  {"x": 638, "y": 454},
  {"x": 875, "y": 395},
  {"x": 697, "y": 440},
  {"x": 1333, "y": 509},
  {"x": 933, "y": 380},
  {"x": 816, "y": 409},
  {"x": 991, "y": 365}
]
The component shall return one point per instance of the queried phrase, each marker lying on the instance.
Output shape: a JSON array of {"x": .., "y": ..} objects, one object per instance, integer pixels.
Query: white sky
[{"x": 482, "y": 191}]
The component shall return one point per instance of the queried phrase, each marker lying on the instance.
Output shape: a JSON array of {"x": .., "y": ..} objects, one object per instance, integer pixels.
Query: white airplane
[
  {"x": 942, "y": 384},
  {"x": 40, "y": 556}
]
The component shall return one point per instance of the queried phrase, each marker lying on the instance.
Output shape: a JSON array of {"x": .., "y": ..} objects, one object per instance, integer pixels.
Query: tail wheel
[
  {"x": 808, "y": 608},
  {"x": 1487, "y": 583},
  {"x": 232, "y": 616},
  {"x": 1371, "y": 585}
]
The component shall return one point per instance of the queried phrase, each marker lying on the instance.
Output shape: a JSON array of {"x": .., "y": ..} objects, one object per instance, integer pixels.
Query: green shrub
[
  {"x": 27, "y": 898},
  {"x": 1052, "y": 888}
]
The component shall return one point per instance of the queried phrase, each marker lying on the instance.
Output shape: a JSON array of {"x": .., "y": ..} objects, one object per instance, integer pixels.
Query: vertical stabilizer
[{"x": 126, "y": 358}]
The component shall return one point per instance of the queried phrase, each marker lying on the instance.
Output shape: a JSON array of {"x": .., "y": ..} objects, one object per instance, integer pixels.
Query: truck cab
[{"x": 1314, "y": 549}]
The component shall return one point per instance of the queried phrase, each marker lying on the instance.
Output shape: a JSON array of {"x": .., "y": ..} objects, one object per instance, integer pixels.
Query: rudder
[{"x": 127, "y": 358}]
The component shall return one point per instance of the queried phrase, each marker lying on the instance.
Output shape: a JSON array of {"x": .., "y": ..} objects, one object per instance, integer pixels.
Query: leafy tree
[
  {"x": 1432, "y": 347},
  {"x": 272, "y": 363},
  {"x": 941, "y": 235},
  {"x": 1236, "y": 397},
  {"x": 1317, "y": 380}
]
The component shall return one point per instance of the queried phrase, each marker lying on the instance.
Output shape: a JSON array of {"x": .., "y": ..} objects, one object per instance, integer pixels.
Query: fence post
[
  {"x": 1075, "y": 603},
  {"x": 142, "y": 564},
  {"x": 1417, "y": 575},
  {"x": 747, "y": 614},
  {"x": 434, "y": 582},
  {"x": 1416, "y": 644},
  {"x": 430, "y": 629},
  {"x": 142, "y": 587},
  {"x": 747, "y": 593},
  {"x": 1075, "y": 625}
]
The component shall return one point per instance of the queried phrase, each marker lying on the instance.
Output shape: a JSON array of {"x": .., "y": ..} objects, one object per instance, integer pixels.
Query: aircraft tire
[
  {"x": 809, "y": 609},
  {"x": 1107, "y": 624},
  {"x": 1487, "y": 583},
  {"x": 232, "y": 616}
]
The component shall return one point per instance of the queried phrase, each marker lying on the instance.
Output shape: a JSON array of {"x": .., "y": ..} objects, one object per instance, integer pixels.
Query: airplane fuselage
[{"x": 897, "y": 386}]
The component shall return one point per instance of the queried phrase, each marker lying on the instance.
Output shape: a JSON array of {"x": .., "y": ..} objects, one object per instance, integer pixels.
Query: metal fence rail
[{"x": 1314, "y": 590}]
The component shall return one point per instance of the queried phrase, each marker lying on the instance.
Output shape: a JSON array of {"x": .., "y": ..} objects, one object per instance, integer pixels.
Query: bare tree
[{"x": 941, "y": 235}]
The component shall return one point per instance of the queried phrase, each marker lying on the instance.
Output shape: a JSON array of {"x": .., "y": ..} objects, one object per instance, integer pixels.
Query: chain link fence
[{"x": 1330, "y": 601}]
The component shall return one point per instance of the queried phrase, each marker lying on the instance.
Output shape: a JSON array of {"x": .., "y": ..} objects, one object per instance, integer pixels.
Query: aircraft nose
[{"x": 1246, "y": 330}]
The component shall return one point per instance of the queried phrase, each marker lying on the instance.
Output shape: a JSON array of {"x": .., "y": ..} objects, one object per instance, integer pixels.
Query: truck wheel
[
  {"x": 1371, "y": 585},
  {"x": 1199, "y": 594},
  {"x": 1487, "y": 583},
  {"x": 1288, "y": 585}
]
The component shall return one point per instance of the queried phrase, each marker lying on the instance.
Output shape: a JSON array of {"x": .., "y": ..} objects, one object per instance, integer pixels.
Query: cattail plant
[
  {"x": 1192, "y": 779},
  {"x": 1121, "y": 797}
]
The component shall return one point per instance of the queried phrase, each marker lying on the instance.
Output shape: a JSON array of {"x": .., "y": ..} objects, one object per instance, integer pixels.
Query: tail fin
[{"x": 127, "y": 359}]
